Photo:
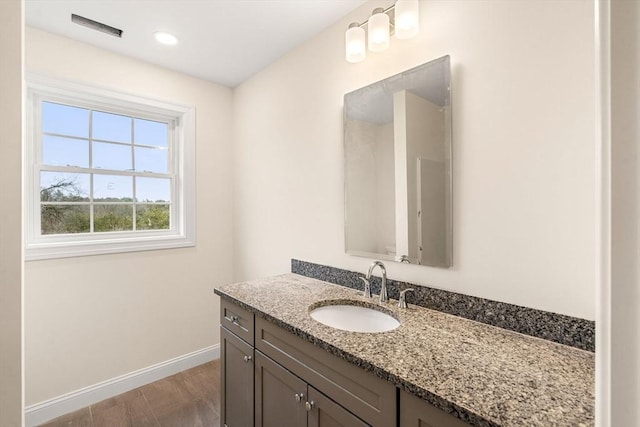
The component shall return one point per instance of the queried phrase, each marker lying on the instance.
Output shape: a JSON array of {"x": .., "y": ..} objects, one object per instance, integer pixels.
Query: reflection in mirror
[{"x": 397, "y": 145}]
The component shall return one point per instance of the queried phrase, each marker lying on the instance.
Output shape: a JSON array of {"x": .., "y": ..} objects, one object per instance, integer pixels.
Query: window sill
[{"x": 42, "y": 251}]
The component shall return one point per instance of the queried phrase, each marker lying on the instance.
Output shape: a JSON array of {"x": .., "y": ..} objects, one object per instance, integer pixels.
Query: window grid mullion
[
  {"x": 133, "y": 165},
  {"x": 91, "y": 213},
  {"x": 77, "y": 169},
  {"x": 106, "y": 141}
]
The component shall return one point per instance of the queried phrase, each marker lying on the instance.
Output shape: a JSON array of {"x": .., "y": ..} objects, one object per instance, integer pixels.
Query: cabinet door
[
  {"x": 280, "y": 395},
  {"x": 324, "y": 412},
  {"x": 236, "y": 381},
  {"x": 415, "y": 412}
]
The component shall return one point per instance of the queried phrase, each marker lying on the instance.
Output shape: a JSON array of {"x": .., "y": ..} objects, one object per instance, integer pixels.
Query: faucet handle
[
  {"x": 402, "y": 302},
  {"x": 367, "y": 287}
]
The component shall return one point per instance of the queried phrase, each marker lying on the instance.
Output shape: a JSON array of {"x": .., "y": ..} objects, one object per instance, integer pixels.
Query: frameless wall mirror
[{"x": 397, "y": 147}]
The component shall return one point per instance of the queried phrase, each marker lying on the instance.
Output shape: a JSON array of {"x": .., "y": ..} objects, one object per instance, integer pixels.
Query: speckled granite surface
[
  {"x": 484, "y": 375},
  {"x": 579, "y": 333}
]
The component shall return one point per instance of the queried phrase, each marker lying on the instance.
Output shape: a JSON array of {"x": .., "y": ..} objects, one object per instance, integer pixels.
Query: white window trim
[{"x": 183, "y": 232}]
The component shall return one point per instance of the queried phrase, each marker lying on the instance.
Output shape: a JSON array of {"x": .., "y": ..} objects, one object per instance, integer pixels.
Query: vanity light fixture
[
  {"x": 407, "y": 19},
  {"x": 401, "y": 18},
  {"x": 379, "y": 24},
  {"x": 165, "y": 38},
  {"x": 355, "y": 43}
]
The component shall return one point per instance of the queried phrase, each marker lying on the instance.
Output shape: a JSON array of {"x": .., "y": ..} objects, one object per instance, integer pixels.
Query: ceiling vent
[{"x": 95, "y": 25}]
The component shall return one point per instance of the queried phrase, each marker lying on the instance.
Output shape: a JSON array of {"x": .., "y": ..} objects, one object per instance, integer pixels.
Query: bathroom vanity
[{"x": 282, "y": 368}]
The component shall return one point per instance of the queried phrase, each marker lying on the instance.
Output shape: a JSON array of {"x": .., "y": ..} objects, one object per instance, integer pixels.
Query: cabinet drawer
[
  {"x": 362, "y": 393},
  {"x": 237, "y": 320}
]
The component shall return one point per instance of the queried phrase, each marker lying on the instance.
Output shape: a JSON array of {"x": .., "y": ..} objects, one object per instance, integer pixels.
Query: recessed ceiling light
[{"x": 165, "y": 38}]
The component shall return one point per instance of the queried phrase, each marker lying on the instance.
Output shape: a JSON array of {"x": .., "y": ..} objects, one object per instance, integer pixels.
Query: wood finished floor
[{"x": 188, "y": 399}]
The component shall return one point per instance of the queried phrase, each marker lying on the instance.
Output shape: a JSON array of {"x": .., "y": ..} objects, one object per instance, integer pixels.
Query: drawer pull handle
[
  {"x": 309, "y": 405},
  {"x": 247, "y": 359},
  {"x": 299, "y": 397},
  {"x": 234, "y": 319}
]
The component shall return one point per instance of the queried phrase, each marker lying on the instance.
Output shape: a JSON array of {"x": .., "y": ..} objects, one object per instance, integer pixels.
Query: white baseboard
[{"x": 44, "y": 411}]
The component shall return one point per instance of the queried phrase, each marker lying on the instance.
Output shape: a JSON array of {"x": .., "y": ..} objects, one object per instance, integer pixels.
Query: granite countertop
[{"x": 484, "y": 375}]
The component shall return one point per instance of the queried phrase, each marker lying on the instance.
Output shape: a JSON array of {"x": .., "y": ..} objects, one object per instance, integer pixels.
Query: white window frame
[{"x": 183, "y": 204}]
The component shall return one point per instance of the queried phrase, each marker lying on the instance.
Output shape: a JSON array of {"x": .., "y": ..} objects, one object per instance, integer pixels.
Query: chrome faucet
[{"x": 383, "y": 290}]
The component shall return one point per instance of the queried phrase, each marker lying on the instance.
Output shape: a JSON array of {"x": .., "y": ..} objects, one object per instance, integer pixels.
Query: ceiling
[{"x": 223, "y": 41}]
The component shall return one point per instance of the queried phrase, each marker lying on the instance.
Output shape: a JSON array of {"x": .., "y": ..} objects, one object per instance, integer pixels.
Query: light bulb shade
[
  {"x": 378, "y": 32},
  {"x": 407, "y": 19},
  {"x": 355, "y": 45}
]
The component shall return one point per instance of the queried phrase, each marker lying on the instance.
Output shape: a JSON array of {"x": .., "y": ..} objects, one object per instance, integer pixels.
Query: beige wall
[
  {"x": 11, "y": 36},
  {"x": 89, "y": 319},
  {"x": 625, "y": 214},
  {"x": 523, "y": 141}
]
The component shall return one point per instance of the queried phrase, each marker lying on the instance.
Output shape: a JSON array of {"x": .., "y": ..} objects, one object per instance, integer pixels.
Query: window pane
[
  {"x": 112, "y": 156},
  {"x": 59, "y": 151},
  {"x": 148, "y": 132},
  {"x": 64, "y": 187},
  {"x": 153, "y": 189},
  {"x": 151, "y": 159},
  {"x": 112, "y": 188},
  {"x": 65, "y": 120},
  {"x": 153, "y": 217},
  {"x": 112, "y": 218},
  {"x": 111, "y": 127},
  {"x": 62, "y": 219}
]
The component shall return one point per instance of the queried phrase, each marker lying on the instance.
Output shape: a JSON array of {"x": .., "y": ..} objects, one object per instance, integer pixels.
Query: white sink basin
[{"x": 354, "y": 318}]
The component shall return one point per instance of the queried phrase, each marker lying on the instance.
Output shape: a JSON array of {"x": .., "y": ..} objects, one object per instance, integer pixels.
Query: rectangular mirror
[{"x": 397, "y": 147}]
